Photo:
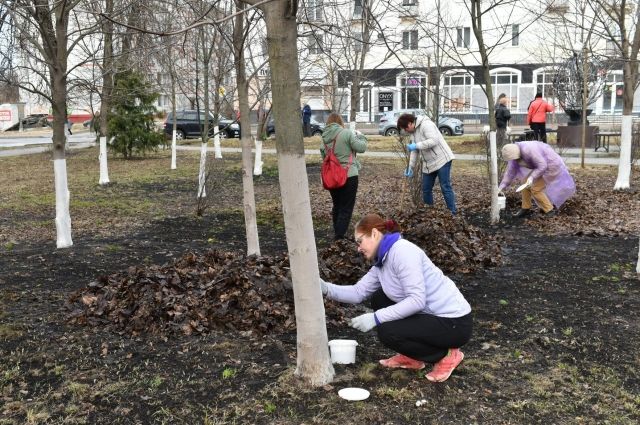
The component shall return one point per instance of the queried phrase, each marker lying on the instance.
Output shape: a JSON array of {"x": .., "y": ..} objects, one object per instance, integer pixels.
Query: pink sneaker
[
  {"x": 442, "y": 370},
  {"x": 400, "y": 360}
]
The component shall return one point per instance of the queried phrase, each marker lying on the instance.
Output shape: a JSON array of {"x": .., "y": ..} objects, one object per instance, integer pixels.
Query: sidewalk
[{"x": 572, "y": 156}]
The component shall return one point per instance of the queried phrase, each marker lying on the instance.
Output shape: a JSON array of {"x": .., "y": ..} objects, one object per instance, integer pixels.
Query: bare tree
[
  {"x": 45, "y": 38},
  {"x": 618, "y": 22},
  {"x": 313, "y": 362}
]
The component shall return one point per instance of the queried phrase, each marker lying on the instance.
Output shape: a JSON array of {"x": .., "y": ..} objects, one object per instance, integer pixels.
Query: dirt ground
[{"x": 557, "y": 322}]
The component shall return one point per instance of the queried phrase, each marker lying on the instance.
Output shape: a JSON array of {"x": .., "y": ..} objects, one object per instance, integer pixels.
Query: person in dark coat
[
  {"x": 503, "y": 115},
  {"x": 306, "y": 120}
]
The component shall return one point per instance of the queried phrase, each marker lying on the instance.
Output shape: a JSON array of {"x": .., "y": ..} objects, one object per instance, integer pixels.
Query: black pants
[
  {"x": 539, "y": 131},
  {"x": 422, "y": 336},
  {"x": 344, "y": 200}
]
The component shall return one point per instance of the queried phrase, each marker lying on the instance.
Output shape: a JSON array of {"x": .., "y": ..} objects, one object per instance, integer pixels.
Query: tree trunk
[
  {"x": 175, "y": 119},
  {"x": 104, "y": 167},
  {"x": 257, "y": 167},
  {"x": 313, "y": 361},
  {"x": 63, "y": 218},
  {"x": 249, "y": 201},
  {"x": 108, "y": 64},
  {"x": 626, "y": 128},
  {"x": 476, "y": 23}
]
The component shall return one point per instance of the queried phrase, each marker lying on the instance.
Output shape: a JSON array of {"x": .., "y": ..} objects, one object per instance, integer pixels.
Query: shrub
[{"x": 131, "y": 121}]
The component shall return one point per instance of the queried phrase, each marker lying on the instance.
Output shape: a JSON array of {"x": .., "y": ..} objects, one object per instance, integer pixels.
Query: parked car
[
  {"x": 31, "y": 121},
  {"x": 316, "y": 128},
  {"x": 388, "y": 123},
  {"x": 188, "y": 125}
]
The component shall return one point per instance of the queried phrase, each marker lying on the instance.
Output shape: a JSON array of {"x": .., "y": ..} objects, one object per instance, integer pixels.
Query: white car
[{"x": 388, "y": 123}]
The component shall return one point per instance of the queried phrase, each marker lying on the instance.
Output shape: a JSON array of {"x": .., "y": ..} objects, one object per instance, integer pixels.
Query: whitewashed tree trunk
[
  {"x": 638, "y": 265},
  {"x": 313, "y": 360},
  {"x": 216, "y": 143},
  {"x": 257, "y": 165},
  {"x": 104, "y": 167},
  {"x": 63, "y": 218},
  {"x": 173, "y": 149},
  {"x": 248, "y": 194},
  {"x": 495, "y": 208},
  {"x": 624, "y": 166},
  {"x": 352, "y": 126},
  {"x": 202, "y": 175}
]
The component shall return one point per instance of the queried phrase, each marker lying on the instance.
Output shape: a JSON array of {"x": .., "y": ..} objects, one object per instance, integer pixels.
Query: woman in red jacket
[{"x": 537, "y": 117}]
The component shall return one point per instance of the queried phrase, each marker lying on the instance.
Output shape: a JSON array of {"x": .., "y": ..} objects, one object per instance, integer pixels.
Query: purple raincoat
[{"x": 543, "y": 162}]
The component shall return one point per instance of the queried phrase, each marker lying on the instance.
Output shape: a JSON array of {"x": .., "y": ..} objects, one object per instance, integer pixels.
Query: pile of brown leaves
[
  {"x": 450, "y": 242},
  {"x": 224, "y": 290},
  {"x": 196, "y": 294}
]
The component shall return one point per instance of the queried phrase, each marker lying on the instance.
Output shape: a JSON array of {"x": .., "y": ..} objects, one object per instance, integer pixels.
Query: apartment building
[{"x": 412, "y": 47}]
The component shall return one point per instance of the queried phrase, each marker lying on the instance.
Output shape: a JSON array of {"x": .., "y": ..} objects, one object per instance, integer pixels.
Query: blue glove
[
  {"x": 408, "y": 172},
  {"x": 364, "y": 322},
  {"x": 412, "y": 147}
]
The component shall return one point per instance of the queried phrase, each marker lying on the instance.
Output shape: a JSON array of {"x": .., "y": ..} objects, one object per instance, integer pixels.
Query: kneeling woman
[{"x": 418, "y": 311}]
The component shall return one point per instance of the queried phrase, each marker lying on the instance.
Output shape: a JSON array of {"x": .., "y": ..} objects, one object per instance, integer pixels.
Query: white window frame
[
  {"x": 515, "y": 34},
  {"x": 314, "y": 10},
  {"x": 515, "y": 77},
  {"x": 447, "y": 89},
  {"x": 316, "y": 44},
  {"x": 547, "y": 86},
  {"x": 410, "y": 40},
  {"x": 421, "y": 78},
  {"x": 463, "y": 37}
]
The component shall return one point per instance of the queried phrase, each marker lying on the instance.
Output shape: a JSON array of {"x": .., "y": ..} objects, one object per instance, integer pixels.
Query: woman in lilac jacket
[
  {"x": 547, "y": 177},
  {"x": 418, "y": 311}
]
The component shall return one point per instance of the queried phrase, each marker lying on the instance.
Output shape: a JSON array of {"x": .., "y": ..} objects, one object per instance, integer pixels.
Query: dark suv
[
  {"x": 316, "y": 128},
  {"x": 188, "y": 125}
]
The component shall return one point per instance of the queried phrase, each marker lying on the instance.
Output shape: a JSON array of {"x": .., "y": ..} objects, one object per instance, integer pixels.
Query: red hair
[{"x": 374, "y": 221}]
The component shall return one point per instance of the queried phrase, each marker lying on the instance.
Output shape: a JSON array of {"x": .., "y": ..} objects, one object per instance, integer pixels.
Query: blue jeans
[{"x": 444, "y": 176}]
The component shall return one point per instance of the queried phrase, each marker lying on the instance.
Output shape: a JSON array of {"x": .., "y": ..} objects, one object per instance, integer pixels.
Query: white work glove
[
  {"x": 529, "y": 181},
  {"x": 364, "y": 322},
  {"x": 358, "y": 133},
  {"x": 325, "y": 287}
]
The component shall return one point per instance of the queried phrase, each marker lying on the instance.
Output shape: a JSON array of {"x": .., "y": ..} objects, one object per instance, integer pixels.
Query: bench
[{"x": 603, "y": 139}]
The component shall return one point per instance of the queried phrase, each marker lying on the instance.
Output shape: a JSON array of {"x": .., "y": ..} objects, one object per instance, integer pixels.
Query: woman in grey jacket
[
  {"x": 435, "y": 154},
  {"x": 418, "y": 311}
]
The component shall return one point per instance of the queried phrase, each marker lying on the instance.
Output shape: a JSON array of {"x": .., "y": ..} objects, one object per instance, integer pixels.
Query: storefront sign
[{"x": 385, "y": 101}]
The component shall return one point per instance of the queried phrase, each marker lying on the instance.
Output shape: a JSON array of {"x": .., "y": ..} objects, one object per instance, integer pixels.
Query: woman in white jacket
[{"x": 435, "y": 155}]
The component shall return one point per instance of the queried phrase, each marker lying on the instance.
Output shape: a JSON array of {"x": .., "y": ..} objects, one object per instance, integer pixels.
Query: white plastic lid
[{"x": 354, "y": 394}]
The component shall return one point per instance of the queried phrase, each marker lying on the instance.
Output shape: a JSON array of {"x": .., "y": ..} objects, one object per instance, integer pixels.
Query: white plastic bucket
[
  {"x": 502, "y": 202},
  {"x": 343, "y": 351}
]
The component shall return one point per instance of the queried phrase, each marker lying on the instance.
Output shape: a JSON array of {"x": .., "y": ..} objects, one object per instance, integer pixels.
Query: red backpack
[{"x": 332, "y": 173}]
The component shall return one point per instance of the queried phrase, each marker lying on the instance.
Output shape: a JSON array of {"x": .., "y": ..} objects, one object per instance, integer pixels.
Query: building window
[
  {"x": 410, "y": 40},
  {"x": 457, "y": 92},
  {"x": 515, "y": 35},
  {"x": 464, "y": 37},
  {"x": 362, "y": 104},
  {"x": 544, "y": 83},
  {"x": 413, "y": 91},
  {"x": 315, "y": 44},
  {"x": 314, "y": 10},
  {"x": 409, "y": 2},
  {"x": 357, "y": 41},
  {"x": 506, "y": 82},
  {"x": 357, "y": 9}
]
